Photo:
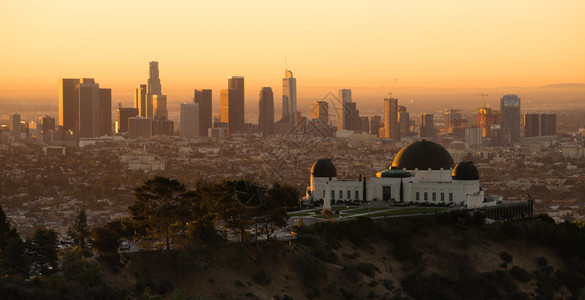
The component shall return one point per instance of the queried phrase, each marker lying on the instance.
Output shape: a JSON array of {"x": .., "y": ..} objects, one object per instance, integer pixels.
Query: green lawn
[
  {"x": 409, "y": 211},
  {"x": 366, "y": 209}
]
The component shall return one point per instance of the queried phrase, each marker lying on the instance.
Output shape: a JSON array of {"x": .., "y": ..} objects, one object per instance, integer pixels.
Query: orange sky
[{"x": 328, "y": 44}]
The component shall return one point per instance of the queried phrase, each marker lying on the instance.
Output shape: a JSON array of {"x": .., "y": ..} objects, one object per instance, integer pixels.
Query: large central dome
[{"x": 423, "y": 155}]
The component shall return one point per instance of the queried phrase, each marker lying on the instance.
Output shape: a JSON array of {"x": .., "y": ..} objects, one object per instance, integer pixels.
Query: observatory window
[
  {"x": 450, "y": 197},
  {"x": 426, "y": 196},
  {"x": 348, "y": 194},
  {"x": 417, "y": 196},
  {"x": 332, "y": 194},
  {"x": 340, "y": 194},
  {"x": 357, "y": 195},
  {"x": 434, "y": 196},
  {"x": 442, "y": 197}
]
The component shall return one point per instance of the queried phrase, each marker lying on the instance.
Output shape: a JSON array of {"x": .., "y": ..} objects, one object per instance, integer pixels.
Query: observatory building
[{"x": 422, "y": 172}]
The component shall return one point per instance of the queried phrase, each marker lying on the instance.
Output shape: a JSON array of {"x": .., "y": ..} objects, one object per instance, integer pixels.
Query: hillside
[{"x": 445, "y": 256}]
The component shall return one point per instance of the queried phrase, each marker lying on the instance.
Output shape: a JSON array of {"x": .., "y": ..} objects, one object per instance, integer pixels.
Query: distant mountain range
[{"x": 565, "y": 85}]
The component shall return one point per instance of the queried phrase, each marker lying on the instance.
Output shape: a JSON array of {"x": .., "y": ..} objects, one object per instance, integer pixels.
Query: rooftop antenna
[{"x": 392, "y": 90}]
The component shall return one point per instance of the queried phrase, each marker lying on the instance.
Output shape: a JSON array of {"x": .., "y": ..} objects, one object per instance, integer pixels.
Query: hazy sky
[{"x": 328, "y": 44}]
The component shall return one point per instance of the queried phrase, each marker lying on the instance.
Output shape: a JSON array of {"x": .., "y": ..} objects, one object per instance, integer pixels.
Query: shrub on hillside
[
  {"x": 520, "y": 274},
  {"x": 368, "y": 269},
  {"x": 311, "y": 269},
  {"x": 506, "y": 257}
]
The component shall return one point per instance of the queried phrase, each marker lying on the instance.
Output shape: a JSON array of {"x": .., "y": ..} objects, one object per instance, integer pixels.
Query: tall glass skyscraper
[{"x": 510, "y": 121}]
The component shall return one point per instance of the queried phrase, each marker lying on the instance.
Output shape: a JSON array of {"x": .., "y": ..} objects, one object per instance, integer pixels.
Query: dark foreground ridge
[{"x": 444, "y": 256}]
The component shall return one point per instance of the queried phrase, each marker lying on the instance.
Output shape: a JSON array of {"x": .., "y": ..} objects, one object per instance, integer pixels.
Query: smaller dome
[
  {"x": 465, "y": 170},
  {"x": 323, "y": 168}
]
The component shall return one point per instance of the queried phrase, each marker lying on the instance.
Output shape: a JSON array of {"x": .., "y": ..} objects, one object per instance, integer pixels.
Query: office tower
[
  {"x": 68, "y": 104},
  {"x": 391, "y": 129},
  {"x": 14, "y": 125},
  {"x": 451, "y": 118},
  {"x": 375, "y": 124},
  {"x": 141, "y": 101},
  {"x": 159, "y": 106},
  {"x": 320, "y": 113},
  {"x": 344, "y": 112},
  {"x": 228, "y": 110},
  {"x": 531, "y": 125},
  {"x": 289, "y": 96},
  {"x": 203, "y": 98},
  {"x": 190, "y": 120},
  {"x": 473, "y": 136},
  {"x": 163, "y": 127},
  {"x": 88, "y": 125},
  {"x": 139, "y": 127},
  {"x": 486, "y": 118},
  {"x": 47, "y": 123},
  {"x": 125, "y": 113},
  {"x": 510, "y": 122},
  {"x": 236, "y": 99},
  {"x": 548, "y": 124},
  {"x": 105, "y": 111},
  {"x": 427, "y": 126},
  {"x": 364, "y": 124},
  {"x": 154, "y": 87},
  {"x": 403, "y": 121},
  {"x": 266, "y": 111}
]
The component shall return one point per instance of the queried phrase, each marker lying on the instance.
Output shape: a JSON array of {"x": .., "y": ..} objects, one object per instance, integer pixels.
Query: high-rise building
[
  {"x": 141, "y": 101},
  {"x": 510, "y": 121},
  {"x": 190, "y": 120},
  {"x": 548, "y": 124},
  {"x": 266, "y": 111},
  {"x": 105, "y": 111},
  {"x": 375, "y": 124},
  {"x": 228, "y": 110},
  {"x": 289, "y": 96},
  {"x": 14, "y": 125},
  {"x": 47, "y": 123},
  {"x": 125, "y": 113},
  {"x": 403, "y": 121},
  {"x": 88, "y": 125},
  {"x": 391, "y": 129},
  {"x": 163, "y": 127},
  {"x": 203, "y": 98},
  {"x": 344, "y": 111},
  {"x": 236, "y": 83},
  {"x": 320, "y": 113},
  {"x": 68, "y": 103},
  {"x": 154, "y": 87},
  {"x": 451, "y": 118},
  {"x": 531, "y": 125},
  {"x": 473, "y": 136},
  {"x": 159, "y": 106},
  {"x": 427, "y": 126},
  {"x": 486, "y": 118},
  {"x": 139, "y": 127}
]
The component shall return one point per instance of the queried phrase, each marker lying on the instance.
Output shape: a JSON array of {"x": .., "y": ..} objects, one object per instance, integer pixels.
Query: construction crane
[
  {"x": 392, "y": 90},
  {"x": 482, "y": 95}
]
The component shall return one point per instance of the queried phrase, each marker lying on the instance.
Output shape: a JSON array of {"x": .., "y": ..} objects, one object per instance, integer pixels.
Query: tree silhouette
[
  {"x": 161, "y": 207},
  {"x": 80, "y": 233},
  {"x": 43, "y": 249},
  {"x": 6, "y": 231},
  {"x": 14, "y": 259}
]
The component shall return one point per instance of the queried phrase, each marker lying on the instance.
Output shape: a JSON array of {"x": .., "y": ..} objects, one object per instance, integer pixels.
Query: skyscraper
[
  {"x": 344, "y": 111},
  {"x": 124, "y": 113},
  {"x": 190, "y": 120},
  {"x": 391, "y": 129},
  {"x": 510, "y": 122},
  {"x": 68, "y": 103},
  {"x": 289, "y": 96},
  {"x": 548, "y": 124},
  {"x": 14, "y": 125},
  {"x": 266, "y": 111},
  {"x": 375, "y": 124},
  {"x": 105, "y": 119},
  {"x": 427, "y": 126},
  {"x": 531, "y": 125},
  {"x": 236, "y": 83},
  {"x": 139, "y": 127},
  {"x": 403, "y": 121},
  {"x": 203, "y": 98},
  {"x": 320, "y": 113},
  {"x": 159, "y": 106},
  {"x": 141, "y": 101},
  {"x": 154, "y": 87},
  {"x": 47, "y": 123},
  {"x": 88, "y": 125},
  {"x": 228, "y": 110},
  {"x": 451, "y": 116},
  {"x": 486, "y": 118}
]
